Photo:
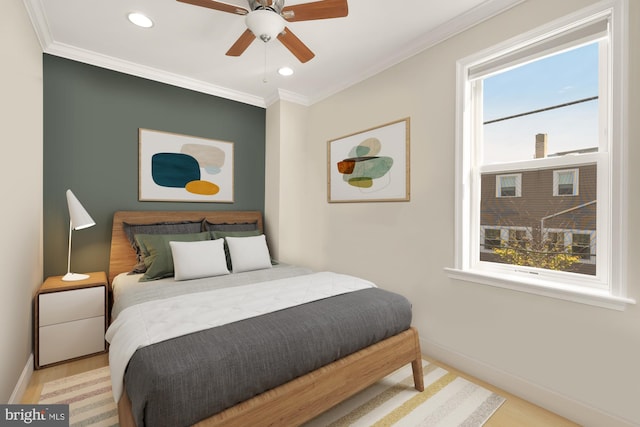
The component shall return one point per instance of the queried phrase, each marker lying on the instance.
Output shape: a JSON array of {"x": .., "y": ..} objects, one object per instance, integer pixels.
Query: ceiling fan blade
[
  {"x": 323, "y": 9},
  {"x": 216, "y": 5},
  {"x": 295, "y": 45},
  {"x": 241, "y": 44}
]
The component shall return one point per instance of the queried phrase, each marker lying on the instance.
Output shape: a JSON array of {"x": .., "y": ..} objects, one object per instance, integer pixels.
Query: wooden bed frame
[{"x": 301, "y": 399}]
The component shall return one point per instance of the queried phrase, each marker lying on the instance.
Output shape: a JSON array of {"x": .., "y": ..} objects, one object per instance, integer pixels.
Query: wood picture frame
[
  {"x": 371, "y": 165},
  {"x": 182, "y": 168}
]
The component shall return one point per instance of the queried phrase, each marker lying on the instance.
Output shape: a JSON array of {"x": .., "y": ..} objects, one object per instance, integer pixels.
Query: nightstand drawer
[
  {"x": 71, "y": 339},
  {"x": 66, "y": 306}
]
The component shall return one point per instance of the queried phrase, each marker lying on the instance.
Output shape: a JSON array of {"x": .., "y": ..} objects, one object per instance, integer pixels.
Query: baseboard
[
  {"x": 551, "y": 400},
  {"x": 23, "y": 382}
]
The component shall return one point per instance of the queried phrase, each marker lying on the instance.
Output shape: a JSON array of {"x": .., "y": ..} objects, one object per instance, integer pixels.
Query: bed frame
[{"x": 299, "y": 400}]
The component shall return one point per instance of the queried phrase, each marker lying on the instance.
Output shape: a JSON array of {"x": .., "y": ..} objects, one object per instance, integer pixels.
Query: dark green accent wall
[{"x": 91, "y": 121}]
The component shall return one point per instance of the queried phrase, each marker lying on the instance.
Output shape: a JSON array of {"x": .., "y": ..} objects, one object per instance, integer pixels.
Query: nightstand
[{"x": 70, "y": 319}]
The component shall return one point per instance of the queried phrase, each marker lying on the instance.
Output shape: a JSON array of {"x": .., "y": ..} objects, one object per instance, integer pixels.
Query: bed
[{"x": 177, "y": 373}]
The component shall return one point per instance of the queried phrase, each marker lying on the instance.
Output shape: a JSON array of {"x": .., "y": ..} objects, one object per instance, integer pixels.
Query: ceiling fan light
[{"x": 265, "y": 24}]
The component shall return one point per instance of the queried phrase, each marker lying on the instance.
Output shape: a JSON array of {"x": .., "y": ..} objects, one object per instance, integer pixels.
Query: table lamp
[{"x": 79, "y": 218}]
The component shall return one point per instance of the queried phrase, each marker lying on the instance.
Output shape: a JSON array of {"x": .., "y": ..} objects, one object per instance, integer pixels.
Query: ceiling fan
[{"x": 267, "y": 19}]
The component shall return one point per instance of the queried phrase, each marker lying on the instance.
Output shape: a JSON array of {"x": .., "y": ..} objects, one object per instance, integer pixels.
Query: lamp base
[{"x": 71, "y": 277}]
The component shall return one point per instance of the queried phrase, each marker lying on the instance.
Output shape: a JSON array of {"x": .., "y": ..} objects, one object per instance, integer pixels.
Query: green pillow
[
  {"x": 158, "y": 258},
  {"x": 219, "y": 234}
]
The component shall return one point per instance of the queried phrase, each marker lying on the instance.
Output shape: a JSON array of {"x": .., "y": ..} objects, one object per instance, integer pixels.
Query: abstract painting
[
  {"x": 184, "y": 168},
  {"x": 370, "y": 166}
]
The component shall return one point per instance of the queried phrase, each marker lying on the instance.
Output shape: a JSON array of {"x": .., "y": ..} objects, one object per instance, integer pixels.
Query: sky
[{"x": 557, "y": 79}]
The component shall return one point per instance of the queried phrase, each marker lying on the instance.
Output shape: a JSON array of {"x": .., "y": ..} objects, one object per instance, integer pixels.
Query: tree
[{"x": 546, "y": 254}]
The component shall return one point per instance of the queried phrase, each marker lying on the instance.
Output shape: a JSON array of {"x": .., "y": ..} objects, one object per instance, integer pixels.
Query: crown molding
[
  {"x": 39, "y": 22},
  {"x": 134, "y": 69},
  {"x": 42, "y": 29},
  {"x": 286, "y": 95},
  {"x": 455, "y": 26},
  {"x": 451, "y": 28}
]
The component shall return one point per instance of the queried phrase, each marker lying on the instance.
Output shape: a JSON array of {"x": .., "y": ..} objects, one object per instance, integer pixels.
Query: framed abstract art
[
  {"x": 371, "y": 165},
  {"x": 184, "y": 168}
]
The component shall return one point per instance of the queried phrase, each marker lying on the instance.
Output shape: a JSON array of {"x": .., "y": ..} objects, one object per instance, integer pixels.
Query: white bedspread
[{"x": 156, "y": 321}]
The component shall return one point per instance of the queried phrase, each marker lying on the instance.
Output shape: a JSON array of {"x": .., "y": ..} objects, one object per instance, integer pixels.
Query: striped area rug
[
  {"x": 88, "y": 396},
  {"x": 447, "y": 401}
]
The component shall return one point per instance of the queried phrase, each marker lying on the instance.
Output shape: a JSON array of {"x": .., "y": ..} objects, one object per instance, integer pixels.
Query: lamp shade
[
  {"x": 265, "y": 24},
  {"x": 80, "y": 218}
]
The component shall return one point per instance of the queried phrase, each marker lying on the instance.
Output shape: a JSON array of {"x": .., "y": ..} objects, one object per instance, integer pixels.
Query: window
[
  {"x": 565, "y": 182},
  {"x": 566, "y": 79},
  {"x": 492, "y": 238},
  {"x": 517, "y": 237},
  {"x": 581, "y": 245},
  {"x": 555, "y": 242},
  {"x": 509, "y": 185}
]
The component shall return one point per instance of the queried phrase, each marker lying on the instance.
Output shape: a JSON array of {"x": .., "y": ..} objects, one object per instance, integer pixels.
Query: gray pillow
[
  {"x": 178, "y": 227},
  {"x": 158, "y": 257}
]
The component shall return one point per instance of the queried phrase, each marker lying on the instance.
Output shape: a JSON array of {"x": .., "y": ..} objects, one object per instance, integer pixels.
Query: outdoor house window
[
  {"x": 492, "y": 238},
  {"x": 565, "y": 182},
  {"x": 540, "y": 143},
  {"x": 509, "y": 185},
  {"x": 555, "y": 242},
  {"x": 581, "y": 245}
]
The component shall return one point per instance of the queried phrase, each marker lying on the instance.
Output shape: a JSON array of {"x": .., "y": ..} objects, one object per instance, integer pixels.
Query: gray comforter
[{"x": 186, "y": 379}]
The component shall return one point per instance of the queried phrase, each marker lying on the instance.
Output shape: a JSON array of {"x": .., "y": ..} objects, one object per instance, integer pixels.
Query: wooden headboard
[{"x": 123, "y": 257}]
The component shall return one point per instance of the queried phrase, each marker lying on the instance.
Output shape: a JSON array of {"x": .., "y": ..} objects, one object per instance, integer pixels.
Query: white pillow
[
  {"x": 193, "y": 260},
  {"x": 248, "y": 253}
]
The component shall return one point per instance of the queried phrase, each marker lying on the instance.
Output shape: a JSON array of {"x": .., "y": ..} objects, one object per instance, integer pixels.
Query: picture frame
[
  {"x": 371, "y": 165},
  {"x": 183, "y": 168}
]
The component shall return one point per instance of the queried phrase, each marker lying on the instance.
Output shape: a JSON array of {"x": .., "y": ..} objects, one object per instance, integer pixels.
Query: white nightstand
[{"x": 70, "y": 319}]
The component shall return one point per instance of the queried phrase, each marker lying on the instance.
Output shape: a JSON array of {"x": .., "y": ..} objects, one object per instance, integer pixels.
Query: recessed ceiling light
[
  {"x": 285, "y": 71},
  {"x": 140, "y": 20}
]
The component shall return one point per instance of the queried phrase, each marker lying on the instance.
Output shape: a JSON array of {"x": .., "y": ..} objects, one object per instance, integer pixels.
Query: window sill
[{"x": 580, "y": 295}]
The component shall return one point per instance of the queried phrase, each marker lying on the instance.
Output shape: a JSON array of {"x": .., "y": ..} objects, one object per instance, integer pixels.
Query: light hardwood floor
[{"x": 514, "y": 412}]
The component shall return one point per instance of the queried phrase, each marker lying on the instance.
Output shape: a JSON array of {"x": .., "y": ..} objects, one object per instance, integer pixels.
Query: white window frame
[
  {"x": 556, "y": 182},
  {"x": 518, "y": 183},
  {"x": 608, "y": 288}
]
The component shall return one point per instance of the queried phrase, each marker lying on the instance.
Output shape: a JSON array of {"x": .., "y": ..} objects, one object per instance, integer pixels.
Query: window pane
[
  {"x": 565, "y": 189},
  {"x": 537, "y": 217},
  {"x": 508, "y": 181},
  {"x": 491, "y": 238},
  {"x": 517, "y": 237},
  {"x": 508, "y": 191},
  {"x": 556, "y": 80},
  {"x": 555, "y": 242},
  {"x": 581, "y": 245},
  {"x": 565, "y": 178}
]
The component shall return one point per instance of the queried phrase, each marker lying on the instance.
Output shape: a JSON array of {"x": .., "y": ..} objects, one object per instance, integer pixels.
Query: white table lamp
[{"x": 79, "y": 218}]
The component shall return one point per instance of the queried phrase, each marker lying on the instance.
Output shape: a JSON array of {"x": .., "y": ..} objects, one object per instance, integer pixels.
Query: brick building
[{"x": 545, "y": 206}]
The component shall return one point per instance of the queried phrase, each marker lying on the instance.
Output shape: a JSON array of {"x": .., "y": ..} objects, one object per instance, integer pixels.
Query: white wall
[
  {"x": 286, "y": 173},
  {"x": 578, "y": 360},
  {"x": 21, "y": 185}
]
